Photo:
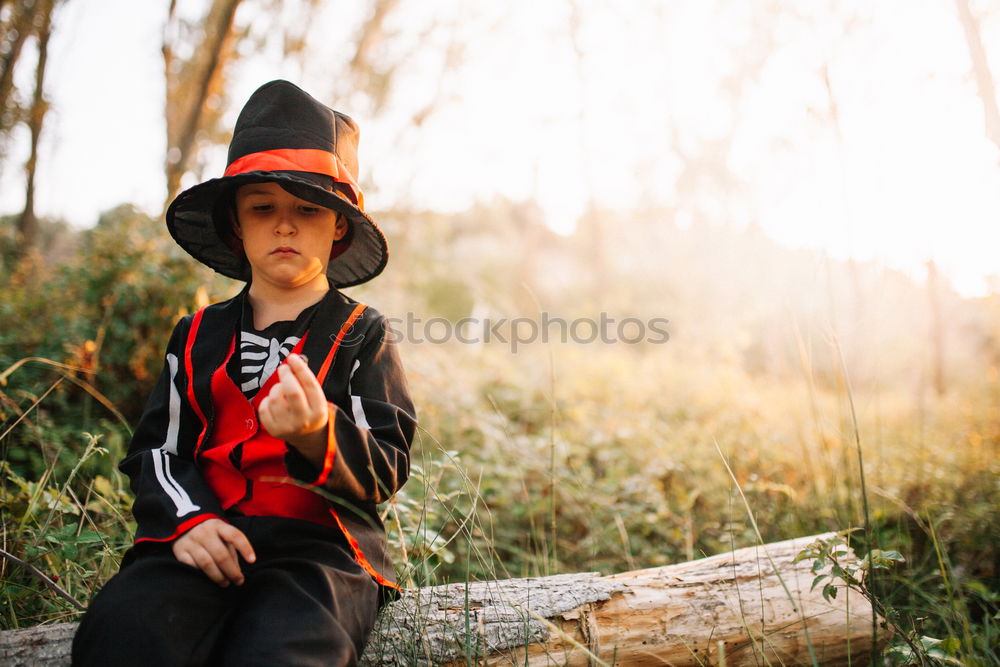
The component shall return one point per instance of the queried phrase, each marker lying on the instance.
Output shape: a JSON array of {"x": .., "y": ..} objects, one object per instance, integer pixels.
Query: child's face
[{"x": 286, "y": 239}]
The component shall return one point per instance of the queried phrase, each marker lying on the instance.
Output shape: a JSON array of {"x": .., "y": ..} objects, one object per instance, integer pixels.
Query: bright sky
[{"x": 906, "y": 173}]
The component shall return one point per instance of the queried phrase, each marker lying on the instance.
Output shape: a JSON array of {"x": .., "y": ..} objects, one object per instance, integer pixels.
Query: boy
[{"x": 280, "y": 421}]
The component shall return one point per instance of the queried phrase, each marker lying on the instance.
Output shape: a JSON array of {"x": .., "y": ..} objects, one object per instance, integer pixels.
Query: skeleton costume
[{"x": 199, "y": 452}]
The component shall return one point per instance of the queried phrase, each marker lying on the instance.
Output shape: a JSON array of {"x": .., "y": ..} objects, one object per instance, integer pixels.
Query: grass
[
  {"x": 572, "y": 459},
  {"x": 633, "y": 447}
]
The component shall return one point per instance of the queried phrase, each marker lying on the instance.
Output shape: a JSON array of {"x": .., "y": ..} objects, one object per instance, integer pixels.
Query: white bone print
[{"x": 260, "y": 357}]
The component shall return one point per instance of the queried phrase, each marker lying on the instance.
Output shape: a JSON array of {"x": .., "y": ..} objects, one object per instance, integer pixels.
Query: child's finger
[
  {"x": 277, "y": 401},
  {"x": 301, "y": 370},
  {"x": 264, "y": 411},
  {"x": 206, "y": 563},
  {"x": 310, "y": 385},
  {"x": 223, "y": 556},
  {"x": 272, "y": 417},
  {"x": 229, "y": 564},
  {"x": 292, "y": 392},
  {"x": 238, "y": 539},
  {"x": 185, "y": 557},
  {"x": 300, "y": 366},
  {"x": 275, "y": 396}
]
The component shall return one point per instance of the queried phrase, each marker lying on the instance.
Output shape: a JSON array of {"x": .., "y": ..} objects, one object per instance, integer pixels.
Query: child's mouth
[{"x": 284, "y": 250}]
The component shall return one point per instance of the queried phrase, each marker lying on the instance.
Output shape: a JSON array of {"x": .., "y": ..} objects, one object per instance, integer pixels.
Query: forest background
[{"x": 797, "y": 361}]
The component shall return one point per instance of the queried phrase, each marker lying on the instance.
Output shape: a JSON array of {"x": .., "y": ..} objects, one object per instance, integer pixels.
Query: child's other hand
[
  {"x": 295, "y": 410},
  {"x": 212, "y": 547}
]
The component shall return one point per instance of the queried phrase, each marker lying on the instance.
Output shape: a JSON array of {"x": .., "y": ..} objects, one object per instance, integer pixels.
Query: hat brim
[{"x": 193, "y": 222}]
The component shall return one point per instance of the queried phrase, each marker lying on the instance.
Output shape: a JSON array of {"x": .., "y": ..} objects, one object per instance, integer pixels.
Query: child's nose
[{"x": 285, "y": 224}]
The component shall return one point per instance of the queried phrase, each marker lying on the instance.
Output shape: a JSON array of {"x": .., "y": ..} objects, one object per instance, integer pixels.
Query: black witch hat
[{"x": 285, "y": 136}]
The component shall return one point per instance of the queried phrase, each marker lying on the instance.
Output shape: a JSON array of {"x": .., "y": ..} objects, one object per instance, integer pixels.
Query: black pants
[{"x": 303, "y": 602}]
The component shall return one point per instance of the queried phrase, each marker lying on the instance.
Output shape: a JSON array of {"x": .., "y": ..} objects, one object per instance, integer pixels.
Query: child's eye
[
  {"x": 261, "y": 208},
  {"x": 309, "y": 210}
]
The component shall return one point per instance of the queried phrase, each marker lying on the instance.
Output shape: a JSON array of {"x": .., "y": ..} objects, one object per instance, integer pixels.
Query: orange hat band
[{"x": 299, "y": 159}]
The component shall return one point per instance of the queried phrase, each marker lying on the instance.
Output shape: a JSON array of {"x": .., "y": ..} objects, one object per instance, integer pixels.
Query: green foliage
[
  {"x": 82, "y": 348},
  {"x": 72, "y": 529},
  {"x": 830, "y": 553},
  {"x": 131, "y": 283},
  {"x": 926, "y": 650},
  {"x": 96, "y": 326},
  {"x": 835, "y": 567}
]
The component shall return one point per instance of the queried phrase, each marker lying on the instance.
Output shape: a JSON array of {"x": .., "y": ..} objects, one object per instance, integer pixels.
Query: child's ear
[
  {"x": 341, "y": 228},
  {"x": 234, "y": 223}
]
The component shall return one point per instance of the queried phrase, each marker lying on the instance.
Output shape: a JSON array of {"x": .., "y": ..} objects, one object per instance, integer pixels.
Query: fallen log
[{"x": 753, "y": 606}]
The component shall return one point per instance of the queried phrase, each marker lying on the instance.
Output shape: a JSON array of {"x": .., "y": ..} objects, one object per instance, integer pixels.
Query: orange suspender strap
[
  {"x": 325, "y": 368},
  {"x": 359, "y": 555},
  {"x": 331, "y": 452}
]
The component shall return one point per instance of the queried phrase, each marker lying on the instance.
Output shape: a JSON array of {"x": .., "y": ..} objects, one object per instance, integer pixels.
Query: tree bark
[
  {"x": 15, "y": 32},
  {"x": 981, "y": 69},
  {"x": 191, "y": 84},
  {"x": 374, "y": 81},
  {"x": 27, "y": 223},
  {"x": 754, "y": 605},
  {"x": 41, "y": 645}
]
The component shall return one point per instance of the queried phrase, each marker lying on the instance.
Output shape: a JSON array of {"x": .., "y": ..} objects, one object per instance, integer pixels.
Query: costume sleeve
[
  {"x": 368, "y": 450},
  {"x": 171, "y": 496}
]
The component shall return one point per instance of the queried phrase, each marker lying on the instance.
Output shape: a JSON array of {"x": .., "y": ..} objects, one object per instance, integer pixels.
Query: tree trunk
[
  {"x": 981, "y": 69},
  {"x": 753, "y": 605},
  {"x": 675, "y": 615},
  {"x": 27, "y": 223},
  {"x": 16, "y": 31},
  {"x": 936, "y": 329},
  {"x": 373, "y": 79},
  {"x": 190, "y": 85}
]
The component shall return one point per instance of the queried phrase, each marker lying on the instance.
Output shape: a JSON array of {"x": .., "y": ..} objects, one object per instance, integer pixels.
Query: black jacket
[{"x": 374, "y": 424}]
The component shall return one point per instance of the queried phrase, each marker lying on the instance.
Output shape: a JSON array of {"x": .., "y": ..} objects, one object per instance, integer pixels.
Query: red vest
[{"x": 262, "y": 485}]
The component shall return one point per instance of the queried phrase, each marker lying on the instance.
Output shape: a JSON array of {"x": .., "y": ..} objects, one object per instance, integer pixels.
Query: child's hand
[
  {"x": 212, "y": 547},
  {"x": 295, "y": 410}
]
